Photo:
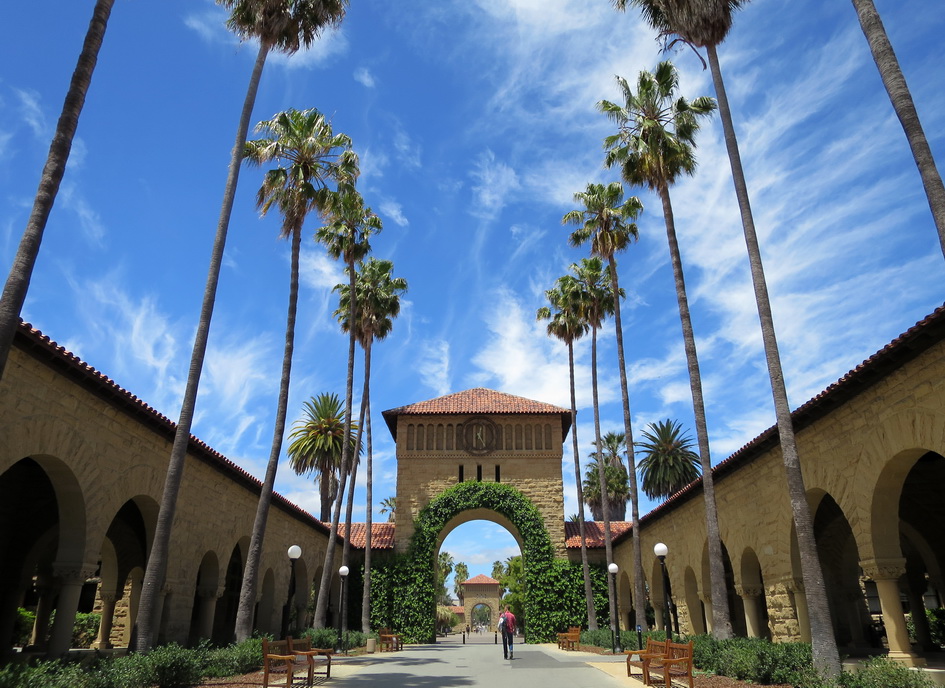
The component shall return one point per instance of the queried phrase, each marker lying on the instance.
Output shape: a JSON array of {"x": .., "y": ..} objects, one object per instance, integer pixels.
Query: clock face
[{"x": 480, "y": 436}]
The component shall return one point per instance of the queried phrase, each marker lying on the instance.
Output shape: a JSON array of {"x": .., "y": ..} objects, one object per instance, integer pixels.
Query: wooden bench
[
  {"x": 389, "y": 641},
  {"x": 302, "y": 647},
  {"x": 570, "y": 640},
  {"x": 676, "y": 662},
  {"x": 275, "y": 654},
  {"x": 655, "y": 649}
]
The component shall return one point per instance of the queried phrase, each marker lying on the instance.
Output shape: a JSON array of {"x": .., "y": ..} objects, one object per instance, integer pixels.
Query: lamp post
[
  {"x": 615, "y": 626},
  {"x": 294, "y": 552},
  {"x": 661, "y": 550},
  {"x": 342, "y": 625}
]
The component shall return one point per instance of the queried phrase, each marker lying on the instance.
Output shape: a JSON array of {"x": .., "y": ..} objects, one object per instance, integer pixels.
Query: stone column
[
  {"x": 208, "y": 607},
  {"x": 886, "y": 573},
  {"x": 915, "y": 591},
  {"x": 71, "y": 579},
  {"x": 751, "y": 600},
  {"x": 658, "y": 613},
  {"x": 133, "y": 599},
  {"x": 707, "y": 605},
  {"x": 795, "y": 586},
  {"x": 854, "y": 608},
  {"x": 105, "y": 627},
  {"x": 46, "y": 588}
]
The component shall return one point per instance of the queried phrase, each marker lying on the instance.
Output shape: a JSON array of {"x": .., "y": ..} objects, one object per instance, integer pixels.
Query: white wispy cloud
[
  {"x": 364, "y": 77},
  {"x": 494, "y": 182},
  {"x": 89, "y": 219},
  {"x": 433, "y": 366},
  {"x": 31, "y": 112},
  {"x": 393, "y": 211}
]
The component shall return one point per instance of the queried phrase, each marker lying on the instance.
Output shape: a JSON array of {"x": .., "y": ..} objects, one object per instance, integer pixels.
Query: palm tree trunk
[
  {"x": 588, "y": 589},
  {"x": 157, "y": 561},
  {"x": 247, "y": 605},
  {"x": 321, "y": 603},
  {"x": 366, "y": 594},
  {"x": 608, "y": 544},
  {"x": 18, "y": 281},
  {"x": 346, "y": 550},
  {"x": 901, "y": 98},
  {"x": 639, "y": 596},
  {"x": 824, "y": 644},
  {"x": 721, "y": 623}
]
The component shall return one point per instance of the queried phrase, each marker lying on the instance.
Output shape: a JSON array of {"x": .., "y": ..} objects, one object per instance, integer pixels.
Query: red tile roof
[
  {"x": 382, "y": 535},
  {"x": 917, "y": 339},
  {"x": 481, "y": 579},
  {"x": 458, "y": 609},
  {"x": 477, "y": 400},
  {"x": 34, "y": 343},
  {"x": 593, "y": 533}
]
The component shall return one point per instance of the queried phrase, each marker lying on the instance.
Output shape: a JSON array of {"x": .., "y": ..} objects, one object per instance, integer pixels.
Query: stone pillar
[
  {"x": 658, "y": 613},
  {"x": 795, "y": 587},
  {"x": 886, "y": 573},
  {"x": 71, "y": 579},
  {"x": 208, "y": 608},
  {"x": 707, "y": 605},
  {"x": 133, "y": 599},
  {"x": 751, "y": 601},
  {"x": 46, "y": 589},
  {"x": 108, "y": 614},
  {"x": 915, "y": 591},
  {"x": 854, "y": 608}
]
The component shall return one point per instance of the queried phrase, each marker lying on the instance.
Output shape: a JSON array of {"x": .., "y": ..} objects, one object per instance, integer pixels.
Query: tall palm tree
[
  {"x": 350, "y": 224},
  {"x": 285, "y": 26},
  {"x": 389, "y": 507},
  {"x": 309, "y": 155},
  {"x": 566, "y": 324},
  {"x": 618, "y": 486},
  {"x": 669, "y": 462},
  {"x": 444, "y": 567},
  {"x": 315, "y": 445},
  {"x": 705, "y": 23},
  {"x": 18, "y": 281},
  {"x": 901, "y": 98},
  {"x": 377, "y": 298},
  {"x": 654, "y": 147},
  {"x": 461, "y": 575},
  {"x": 606, "y": 221}
]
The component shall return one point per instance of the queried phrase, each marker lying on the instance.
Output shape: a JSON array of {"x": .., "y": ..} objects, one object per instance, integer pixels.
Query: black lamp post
[
  {"x": 661, "y": 550},
  {"x": 294, "y": 553},
  {"x": 615, "y": 626},
  {"x": 342, "y": 624}
]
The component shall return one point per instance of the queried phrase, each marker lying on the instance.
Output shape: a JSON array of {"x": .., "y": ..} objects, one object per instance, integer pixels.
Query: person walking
[{"x": 507, "y": 626}]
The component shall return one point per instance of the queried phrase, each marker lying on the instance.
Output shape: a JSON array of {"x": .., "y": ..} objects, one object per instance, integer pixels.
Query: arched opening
[
  {"x": 753, "y": 596},
  {"x": 484, "y": 619},
  {"x": 736, "y": 609},
  {"x": 224, "y": 623},
  {"x": 693, "y": 603},
  {"x": 205, "y": 598}
]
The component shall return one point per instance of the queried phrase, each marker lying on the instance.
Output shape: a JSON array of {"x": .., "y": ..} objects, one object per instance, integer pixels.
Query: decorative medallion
[{"x": 480, "y": 436}]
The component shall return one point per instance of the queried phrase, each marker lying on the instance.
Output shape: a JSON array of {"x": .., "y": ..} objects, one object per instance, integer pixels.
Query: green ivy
[{"x": 403, "y": 588}]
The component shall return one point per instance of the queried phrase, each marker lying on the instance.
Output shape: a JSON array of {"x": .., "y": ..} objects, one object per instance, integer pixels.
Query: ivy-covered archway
[{"x": 404, "y": 597}]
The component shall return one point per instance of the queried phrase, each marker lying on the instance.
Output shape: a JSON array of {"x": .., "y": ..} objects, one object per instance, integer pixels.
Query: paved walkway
[{"x": 449, "y": 663}]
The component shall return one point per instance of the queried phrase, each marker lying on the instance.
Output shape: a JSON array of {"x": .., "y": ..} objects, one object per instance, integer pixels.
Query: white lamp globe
[
  {"x": 612, "y": 567},
  {"x": 294, "y": 552},
  {"x": 660, "y": 550},
  {"x": 343, "y": 571}
]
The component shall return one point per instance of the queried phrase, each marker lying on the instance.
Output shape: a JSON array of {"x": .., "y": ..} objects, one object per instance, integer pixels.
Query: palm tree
[
  {"x": 389, "y": 507},
  {"x": 350, "y": 224},
  {"x": 444, "y": 567},
  {"x": 606, "y": 221},
  {"x": 377, "y": 297},
  {"x": 461, "y": 575},
  {"x": 316, "y": 446},
  {"x": 705, "y": 23},
  {"x": 18, "y": 281},
  {"x": 565, "y": 323},
  {"x": 901, "y": 98},
  {"x": 653, "y": 147},
  {"x": 616, "y": 485},
  {"x": 613, "y": 445},
  {"x": 309, "y": 154},
  {"x": 669, "y": 462},
  {"x": 285, "y": 26}
]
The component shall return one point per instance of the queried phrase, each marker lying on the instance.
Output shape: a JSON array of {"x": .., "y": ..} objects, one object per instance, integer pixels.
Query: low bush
[
  {"x": 322, "y": 637},
  {"x": 882, "y": 672},
  {"x": 239, "y": 658},
  {"x": 173, "y": 666},
  {"x": 23, "y": 626}
]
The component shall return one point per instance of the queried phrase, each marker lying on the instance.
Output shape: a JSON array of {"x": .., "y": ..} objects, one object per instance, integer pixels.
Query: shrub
[
  {"x": 44, "y": 675},
  {"x": 239, "y": 658},
  {"x": 172, "y": 666},
  {"x": 23, "y": 626},
  {"x": 131, "y": 671},
  {"x": 705, "y": 652},
  {"x": 322, "y": 637},
  {"x": 882, "y": 672},
  {"x": 85, "y": 630}
]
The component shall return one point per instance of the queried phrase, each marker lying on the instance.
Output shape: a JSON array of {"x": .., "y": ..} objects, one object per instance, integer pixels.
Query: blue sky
[{"x": 475, "y": 123}]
